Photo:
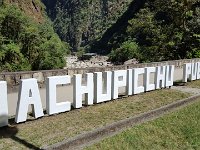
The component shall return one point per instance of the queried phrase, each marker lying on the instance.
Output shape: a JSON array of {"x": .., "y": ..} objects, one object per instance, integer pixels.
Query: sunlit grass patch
[
  {"x": 178, "y": 130},
  {"x": 193, "y": 84},
  {"x": 53, "y": 129}
]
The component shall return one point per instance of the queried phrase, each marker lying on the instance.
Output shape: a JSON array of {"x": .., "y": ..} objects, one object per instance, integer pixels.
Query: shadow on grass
[
  {"x": 179, "y": 83},
  {"x": 11, "y": 131}
]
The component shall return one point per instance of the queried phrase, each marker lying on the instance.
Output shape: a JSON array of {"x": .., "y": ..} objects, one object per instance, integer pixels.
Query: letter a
[{"x": 28, "y": 95}]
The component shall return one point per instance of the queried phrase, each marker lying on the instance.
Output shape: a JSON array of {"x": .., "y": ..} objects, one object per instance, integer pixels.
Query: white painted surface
[
  {"x": 3, "y": 104},
  {"x": 187, "y": 72},
  {"x": 160, "y": 77},
  {"x": 119, "y": 80},
  {"x": 194, "y": 71},
  {"x": 136, "y": 72},
  {"x": 169, "y": 76},
  {"x": 66, "y": 92},
  {"x": 79, "y": 90},
  {"x": 129, "y": 87},
  {"x": 52, "y": 106},
  {"x": 198, "y": 70},
  {"x": 149, "y": 86},
  {"x": 102, "y": 90},
  {"x": 28, "y": 95}
]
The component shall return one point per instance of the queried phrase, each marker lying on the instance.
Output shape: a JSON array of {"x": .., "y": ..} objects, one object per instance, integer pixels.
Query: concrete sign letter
[
  {"x": 129, "y": 87},
  {"x": 198, "y": 70},
  {"x": 102, "y": 90},
  {"x": 148, "y": 71},
  {"x": 79, "y": 90},
  {"x": 28, "y": 95},
  {"x": 3, "y": 104},
  {"x": 160, "y": 77},
  {"x": 119, "y": 80},
  {"x": 136, "y": 72},
  {"x": 169, "y": 80},
  {"x": 187, "y": 70},
  {"x": 52, "y": 106},
  {"x": 194, "y": 71}
]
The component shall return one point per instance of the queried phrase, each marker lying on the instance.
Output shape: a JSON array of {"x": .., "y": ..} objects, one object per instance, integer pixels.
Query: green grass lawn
[
  {"x": 53, "y": 129},
  {"x": 193, "y": 84},
  {"x": 179, "y": 130}
]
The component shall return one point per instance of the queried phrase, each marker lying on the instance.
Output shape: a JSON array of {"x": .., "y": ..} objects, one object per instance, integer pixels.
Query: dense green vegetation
[
  {"x": 162, "y": 30},
  {"x": 167, "y": 30},
  {"x": 81, "y": 22},
  {"x": 148, "y": 30},
  {"x": 126, "y": 51},
  {"x": 26, "y": 44},
  {"x": 179, "y": 130}
]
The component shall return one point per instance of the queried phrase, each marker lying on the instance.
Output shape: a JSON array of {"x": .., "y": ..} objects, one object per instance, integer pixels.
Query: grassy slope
[
  {"x": 178, "y": 130},
  {"x": 53, "y": 129},
  {"x": 193, "y": 84},
  {"x": 189, "y": 84}
]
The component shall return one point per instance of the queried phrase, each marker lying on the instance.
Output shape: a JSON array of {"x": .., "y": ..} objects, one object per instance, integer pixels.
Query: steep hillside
[
  {"x": 148, "y": 30},
  {"x": 32, "y": 8},
  {"x": 115, "y": 34},
  {"x": 159, "y": 30},
  {"x": 27, "y": 38},
  {"x": 81, "y": 22}
]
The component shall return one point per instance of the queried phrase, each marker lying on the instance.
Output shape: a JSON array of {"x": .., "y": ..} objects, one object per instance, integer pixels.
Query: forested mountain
[
  {"x": 37, "y": 34},
  {"x": 27, "y": 38},
  {"x": 32, "y": 8},
  {"x": 81, "y": 22},
  {"x": 161, "y": 30},
  {"x": 148, "y": 30}
]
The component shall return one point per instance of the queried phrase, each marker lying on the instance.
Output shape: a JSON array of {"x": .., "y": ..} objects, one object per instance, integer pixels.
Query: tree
[
  {"x": 12, "y": 23},
  {"x": 31, "y": 41},
  {"x": 11, "y": 59},
  {"x": 149, "y": 35},
  {"x": 22, "y": 41},
  {"x": 167, "y": 30},
  {"x": 81, "y": 51},
  {"x": 51, "y": 54},
  {"x": 127, "y": 51},
  {"x": 183, "y": 16}
]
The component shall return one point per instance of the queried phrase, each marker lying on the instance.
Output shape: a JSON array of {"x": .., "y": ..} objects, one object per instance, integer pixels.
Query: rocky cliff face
[
  {"x": 81, "y": 22},
  {"x": 32, "y": 8}
]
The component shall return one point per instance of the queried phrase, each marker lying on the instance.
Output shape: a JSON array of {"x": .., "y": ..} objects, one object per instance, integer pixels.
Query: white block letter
[
  {"x": 198, "y": 70},
  {"x": 3, "y": 104},
  {"x": 52, "y": 106},
  {"x": 169, "y": 80},
  {"x": 160, "y": 77},
  {"x": 129, "y": 87},
  {"x": 136, "y": 72},
  {"x": 28, "y": 95},
  {"x": 119, "y": 80},
  {"x": 194, "y": 71},
  {"x": 187, "y": 70},
  {"x": 102, "y": 91},
  {"x": 79, "y": 89},
  {"x": 148, "y": 71}
]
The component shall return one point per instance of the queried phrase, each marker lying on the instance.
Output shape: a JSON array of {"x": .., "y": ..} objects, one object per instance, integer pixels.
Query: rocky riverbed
[{"x": 95, "y": 61}]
